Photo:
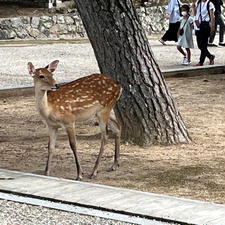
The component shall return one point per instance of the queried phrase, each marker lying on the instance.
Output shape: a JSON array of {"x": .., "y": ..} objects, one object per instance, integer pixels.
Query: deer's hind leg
[
  {"x": 103, "y": 117},
  {"x": 114, "y": 126}
]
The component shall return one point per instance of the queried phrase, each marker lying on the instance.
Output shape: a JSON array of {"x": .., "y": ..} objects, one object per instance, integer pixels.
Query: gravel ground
[
  {"x": 12, "y": 213},
  {"x": 76, "y": 60}
]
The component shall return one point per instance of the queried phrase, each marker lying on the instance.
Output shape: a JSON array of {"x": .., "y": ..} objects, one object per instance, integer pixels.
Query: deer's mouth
[{"x": 55, "y": 88}]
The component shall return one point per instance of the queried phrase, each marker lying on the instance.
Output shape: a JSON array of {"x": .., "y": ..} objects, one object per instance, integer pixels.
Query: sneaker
[
  {"x": 222, "y": 44},
  {"x": 211, "y": 60},
  {"x": 199, "y": 64},
  {"x": 185, "y": 60},
  {"x": 187, "y": 63}
]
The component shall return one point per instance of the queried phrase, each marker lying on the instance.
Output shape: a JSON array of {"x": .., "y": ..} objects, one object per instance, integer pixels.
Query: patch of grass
[
  {"x": 213, "y": 186},
  {"x": 179, "y": 176}
]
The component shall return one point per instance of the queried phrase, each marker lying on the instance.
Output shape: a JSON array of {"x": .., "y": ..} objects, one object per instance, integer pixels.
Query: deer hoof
[
  {"x": 113, "y": 168},
  {"x": 79, "y": 179},
  {"x": 46, "y": 173},
  {"x": 92, "y": 176}
]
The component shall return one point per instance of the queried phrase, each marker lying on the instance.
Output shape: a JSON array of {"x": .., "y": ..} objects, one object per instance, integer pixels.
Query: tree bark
[{"x": 146, "y": 109}]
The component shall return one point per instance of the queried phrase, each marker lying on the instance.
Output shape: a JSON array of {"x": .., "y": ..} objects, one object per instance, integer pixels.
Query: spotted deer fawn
[{"x": 79, "y": 100}]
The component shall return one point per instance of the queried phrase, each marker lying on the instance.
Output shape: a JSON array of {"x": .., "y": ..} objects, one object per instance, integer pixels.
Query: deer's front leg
[
  {"x": 72, "y": 139},
  {"x": 51, "y": 147}
]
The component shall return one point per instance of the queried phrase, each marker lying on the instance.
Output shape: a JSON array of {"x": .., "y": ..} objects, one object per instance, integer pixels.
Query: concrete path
[
  {"x": 112, "y": 199},
  {"x": 77, "y": 59}
]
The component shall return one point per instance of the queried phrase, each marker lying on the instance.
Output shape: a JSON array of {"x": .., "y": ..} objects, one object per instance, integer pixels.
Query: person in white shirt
[
  {"x": 174, "y": 15},
  {"x": 204, "y": 26},
  {"x": 219, "y": 20}
]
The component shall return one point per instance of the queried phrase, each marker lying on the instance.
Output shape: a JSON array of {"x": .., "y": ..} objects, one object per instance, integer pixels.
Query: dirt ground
[{"x": 193, "y": 170}]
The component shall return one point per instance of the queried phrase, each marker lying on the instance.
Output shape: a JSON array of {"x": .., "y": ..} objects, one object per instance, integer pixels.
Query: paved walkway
[
  {"x": 76, "y": 59},
  {"x": 114, "y": 199}
]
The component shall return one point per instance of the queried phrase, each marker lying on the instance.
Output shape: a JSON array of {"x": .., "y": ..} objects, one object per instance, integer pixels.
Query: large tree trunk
[{"x": 146, "y": 109}]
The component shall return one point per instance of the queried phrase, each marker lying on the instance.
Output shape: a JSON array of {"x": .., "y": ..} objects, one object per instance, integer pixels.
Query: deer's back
[{"x": 84, "y": 96}]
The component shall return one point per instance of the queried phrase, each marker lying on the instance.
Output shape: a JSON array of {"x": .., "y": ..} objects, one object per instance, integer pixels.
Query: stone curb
[
  {"x": 183, "y": 72},
  {"x": 194, "y": 71}
]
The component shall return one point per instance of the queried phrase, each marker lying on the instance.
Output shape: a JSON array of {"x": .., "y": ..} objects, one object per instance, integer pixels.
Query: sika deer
[{"x": 94, "y": 95}]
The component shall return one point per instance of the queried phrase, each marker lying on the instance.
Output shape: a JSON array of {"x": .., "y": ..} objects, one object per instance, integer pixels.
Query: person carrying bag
[
  {"x": 174, "y": 15},
  {"x": 219, "y": 20},
  {"x": 204, "y": 26}
]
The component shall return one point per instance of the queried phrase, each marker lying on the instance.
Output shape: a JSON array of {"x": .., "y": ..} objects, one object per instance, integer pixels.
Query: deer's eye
[{"x": 41, "y": 76}]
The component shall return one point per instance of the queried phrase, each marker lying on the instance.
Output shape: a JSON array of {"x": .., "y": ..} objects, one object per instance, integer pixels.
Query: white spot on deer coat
[
  {"x": 70, "y": 91},
  {"x": 88, "y": 105},
  {"x": 78, "y": 108}
]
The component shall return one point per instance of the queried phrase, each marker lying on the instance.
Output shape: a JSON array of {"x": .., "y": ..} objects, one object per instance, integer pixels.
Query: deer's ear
[
  {"x": 30, "y": 68},
  {"x": 52, "y": 66}
]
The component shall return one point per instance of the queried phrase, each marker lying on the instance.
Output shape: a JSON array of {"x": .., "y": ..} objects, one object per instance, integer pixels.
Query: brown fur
[{"x": 93, "y": 95}]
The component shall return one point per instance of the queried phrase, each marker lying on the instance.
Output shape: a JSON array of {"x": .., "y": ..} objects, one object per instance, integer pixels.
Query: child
[{"x": 185, "y": 38}]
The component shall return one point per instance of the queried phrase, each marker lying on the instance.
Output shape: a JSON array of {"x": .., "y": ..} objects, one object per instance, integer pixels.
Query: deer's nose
[{"x": 56, "y": 86}]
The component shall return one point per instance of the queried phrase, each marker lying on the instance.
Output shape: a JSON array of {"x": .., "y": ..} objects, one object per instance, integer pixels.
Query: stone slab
[{"x": 113, "y": 199}]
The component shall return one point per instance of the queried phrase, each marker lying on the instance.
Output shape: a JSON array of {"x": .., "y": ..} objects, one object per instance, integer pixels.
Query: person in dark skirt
[{"x": 174, "y": 15}]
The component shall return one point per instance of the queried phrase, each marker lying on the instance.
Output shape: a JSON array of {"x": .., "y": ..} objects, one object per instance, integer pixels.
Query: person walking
[
  {"x": 219, "y": 20},
  {"x": 204, "y": 26},
  {"x": 173, "y": 14},
  {"x": 185, "y": 38}
]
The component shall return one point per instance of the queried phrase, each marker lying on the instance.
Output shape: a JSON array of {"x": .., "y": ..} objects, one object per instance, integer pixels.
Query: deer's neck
[{"x": 42, "y": 102}]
